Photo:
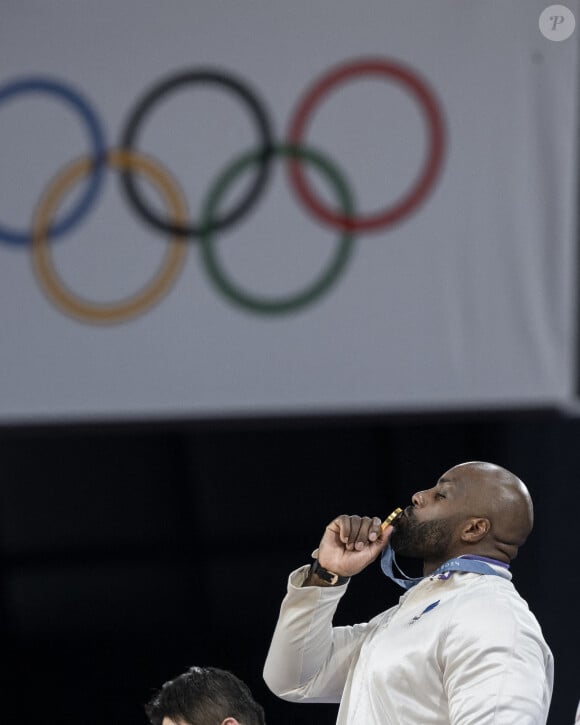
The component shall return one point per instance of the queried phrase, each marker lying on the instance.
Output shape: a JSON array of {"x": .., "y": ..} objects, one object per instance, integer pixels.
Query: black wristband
[{"x": 327, "y": 576}]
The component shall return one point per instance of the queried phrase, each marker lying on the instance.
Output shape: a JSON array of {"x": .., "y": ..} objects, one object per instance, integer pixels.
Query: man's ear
[
  {"x": 475, "y": 530},
  {"x": 230, "y": 721}
]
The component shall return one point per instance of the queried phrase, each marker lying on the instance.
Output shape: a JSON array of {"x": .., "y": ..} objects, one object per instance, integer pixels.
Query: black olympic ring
[{"x": 265, "y": 143}]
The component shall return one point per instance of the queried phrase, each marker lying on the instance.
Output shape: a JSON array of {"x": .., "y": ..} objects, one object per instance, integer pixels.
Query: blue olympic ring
[{"x": 97, "y": 138}]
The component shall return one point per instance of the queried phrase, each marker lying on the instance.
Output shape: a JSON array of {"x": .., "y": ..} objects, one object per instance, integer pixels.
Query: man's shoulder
[
  {"x": 490, "y": 602},
  {"x": 495, "y": 591}
]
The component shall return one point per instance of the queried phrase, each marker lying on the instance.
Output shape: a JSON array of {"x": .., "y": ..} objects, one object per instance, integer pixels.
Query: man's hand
[{"x": 351, "y": 543}]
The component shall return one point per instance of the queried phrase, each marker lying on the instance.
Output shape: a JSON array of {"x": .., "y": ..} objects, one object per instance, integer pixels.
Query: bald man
[{"x": 460, "y": 647}]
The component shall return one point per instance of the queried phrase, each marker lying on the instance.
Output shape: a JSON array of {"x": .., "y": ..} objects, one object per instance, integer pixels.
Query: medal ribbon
[{"x": 467, "y": 562}]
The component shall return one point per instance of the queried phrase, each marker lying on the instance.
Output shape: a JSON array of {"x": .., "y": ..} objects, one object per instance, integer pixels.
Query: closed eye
[{"x": 439, "y": 495}]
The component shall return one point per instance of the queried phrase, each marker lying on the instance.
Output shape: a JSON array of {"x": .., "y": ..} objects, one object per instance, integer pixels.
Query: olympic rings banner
[{"x": 272, "y": 208}]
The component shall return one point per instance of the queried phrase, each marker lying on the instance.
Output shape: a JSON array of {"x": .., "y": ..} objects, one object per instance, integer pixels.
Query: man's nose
[{"x": 418, "y": 499}]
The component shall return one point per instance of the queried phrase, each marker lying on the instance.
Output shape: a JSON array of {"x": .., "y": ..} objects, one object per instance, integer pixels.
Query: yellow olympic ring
[{"x": 153, "y": 291}]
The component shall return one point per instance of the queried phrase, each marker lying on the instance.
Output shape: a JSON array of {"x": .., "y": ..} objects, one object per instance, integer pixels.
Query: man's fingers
[
  {"x": 356, "y": 532},
  {"x": 375, "y": 529},
  {"x": 343, "y": 523},
  {"x": 368, "y": 532},
  {"x": 355, "y": 524},
  {"x": 351, "y": 543}
]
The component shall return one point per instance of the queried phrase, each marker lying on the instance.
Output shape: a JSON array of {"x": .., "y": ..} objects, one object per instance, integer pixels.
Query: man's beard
[{"x": 425, "y": 540}]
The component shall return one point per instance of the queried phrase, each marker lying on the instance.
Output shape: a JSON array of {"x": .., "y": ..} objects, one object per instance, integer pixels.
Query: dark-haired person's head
[{"x": 205, "y": 696}]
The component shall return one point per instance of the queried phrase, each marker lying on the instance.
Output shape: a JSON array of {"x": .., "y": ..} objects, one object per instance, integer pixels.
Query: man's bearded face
[{"x": 421, "y": 539}]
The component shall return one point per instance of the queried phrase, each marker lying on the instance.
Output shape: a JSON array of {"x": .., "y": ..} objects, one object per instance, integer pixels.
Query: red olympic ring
[{"x": 431, "y": 167}]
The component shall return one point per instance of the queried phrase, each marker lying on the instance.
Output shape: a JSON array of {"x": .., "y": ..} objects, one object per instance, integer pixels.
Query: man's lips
[{"x": 403, "y": 518}]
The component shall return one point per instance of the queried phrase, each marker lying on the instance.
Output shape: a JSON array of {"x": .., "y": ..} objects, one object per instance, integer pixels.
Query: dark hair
[{"x": 205, "y": 696}]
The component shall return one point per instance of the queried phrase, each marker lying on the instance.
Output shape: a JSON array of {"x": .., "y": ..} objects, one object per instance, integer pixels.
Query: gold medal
[{"x": 390, "y": 518}]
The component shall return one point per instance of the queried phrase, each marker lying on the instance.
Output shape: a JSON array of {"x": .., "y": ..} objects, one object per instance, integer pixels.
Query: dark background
[{"x": 130, "y": 552}]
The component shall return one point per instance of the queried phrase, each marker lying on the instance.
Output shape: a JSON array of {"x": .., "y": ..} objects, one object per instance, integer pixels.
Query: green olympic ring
[{"x": 330, "y": 273}]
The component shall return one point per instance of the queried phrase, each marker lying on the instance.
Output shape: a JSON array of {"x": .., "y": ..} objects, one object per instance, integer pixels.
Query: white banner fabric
[{"x": 261, "y": 207}]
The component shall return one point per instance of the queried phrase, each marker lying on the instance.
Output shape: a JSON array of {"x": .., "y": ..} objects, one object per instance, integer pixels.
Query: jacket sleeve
[
  {"x": 497, "y": 668},
  {"x": 309, "y": 659}
]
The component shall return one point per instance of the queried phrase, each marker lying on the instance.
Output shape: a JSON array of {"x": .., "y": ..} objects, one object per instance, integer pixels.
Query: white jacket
[{"x": 477, "y": 657}]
